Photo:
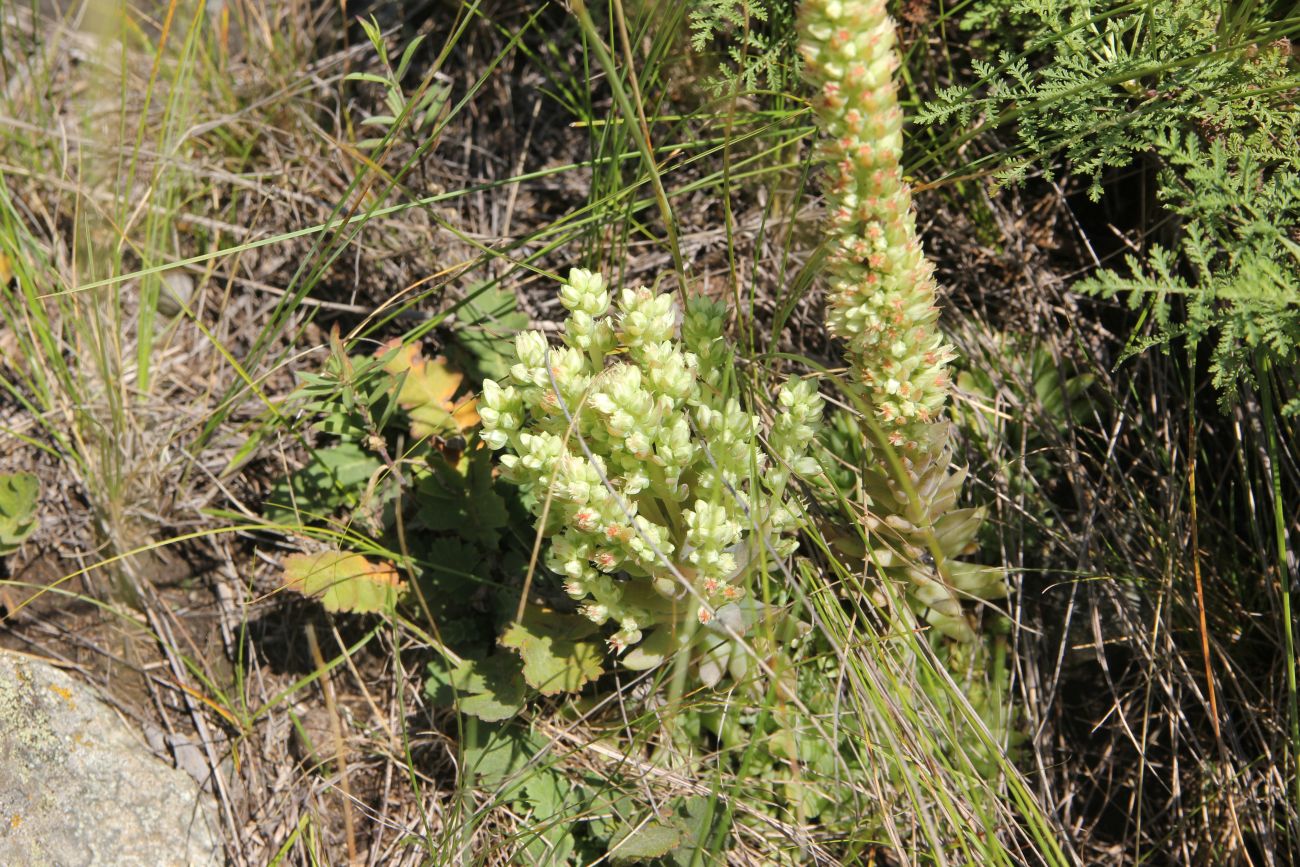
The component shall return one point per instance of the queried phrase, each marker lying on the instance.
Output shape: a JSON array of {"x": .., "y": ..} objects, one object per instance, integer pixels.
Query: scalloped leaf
[
  {"x": 18, "y": 495},
  {"x": 556, "y": 659},
  {"x": 491, "y": 689},
  {"x": 462, "y": 497},
  {"x": 489, "y": 318},
  {"x": 555, "y": 803},
  {"x": 344, "y": 582},
  {"x": 428, "y": 390}
]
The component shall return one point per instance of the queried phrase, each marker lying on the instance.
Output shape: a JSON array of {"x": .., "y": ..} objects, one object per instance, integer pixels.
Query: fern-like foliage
[
  {"x": 1237, "y": 265},
  {"x": 754, "y": 39},
  {"x": 1207, "y": 92},
  {"x": 1100, "y": 82}
]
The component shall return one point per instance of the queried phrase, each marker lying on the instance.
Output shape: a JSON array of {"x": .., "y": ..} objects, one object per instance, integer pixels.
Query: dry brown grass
[
  {"x": 1109, "y": 663},
  {"x": 189, "y": 636}
]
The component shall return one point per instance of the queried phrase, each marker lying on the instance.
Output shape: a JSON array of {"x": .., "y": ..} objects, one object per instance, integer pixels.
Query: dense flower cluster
[
  {"x": 656, "y": 494},
  {"x": 881, "y": 292}
]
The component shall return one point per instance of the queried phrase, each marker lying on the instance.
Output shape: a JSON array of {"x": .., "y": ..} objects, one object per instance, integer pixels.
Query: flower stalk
[
  {"x": 880, "y": 286},
  {"x": 881, "y": 301}
]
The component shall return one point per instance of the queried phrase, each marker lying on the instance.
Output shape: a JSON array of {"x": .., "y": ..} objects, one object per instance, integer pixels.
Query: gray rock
[{"x": 78, "y": 788}]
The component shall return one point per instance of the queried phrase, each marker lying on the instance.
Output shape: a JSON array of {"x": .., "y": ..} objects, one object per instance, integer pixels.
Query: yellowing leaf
[
  {"x": 429, "y": 382},
  {"x": 555, "y": 660},
  {"x": 428, "y": 390},
  {"x": 343, "y": 581},
  {"x": 404, "y": 355},
  {"x": 429, "y": 419},
  {"x": 466, "y": 413}
]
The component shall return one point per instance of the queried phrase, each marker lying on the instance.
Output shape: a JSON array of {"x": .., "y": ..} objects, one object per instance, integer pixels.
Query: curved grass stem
[{"x": 1263, "y": 371}]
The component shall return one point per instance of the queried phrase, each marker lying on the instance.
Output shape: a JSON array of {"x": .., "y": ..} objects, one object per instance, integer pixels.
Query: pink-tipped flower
[{"x": 876, "y": 261}]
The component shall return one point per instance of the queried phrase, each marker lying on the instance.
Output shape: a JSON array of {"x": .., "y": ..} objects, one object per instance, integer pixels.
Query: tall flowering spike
[
  {"x": 881, "y": 292},
  {"x": 881, "y": 300}
]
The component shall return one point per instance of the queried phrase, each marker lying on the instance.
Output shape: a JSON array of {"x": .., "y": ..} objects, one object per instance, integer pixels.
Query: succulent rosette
[{"x": 649, "y": 479}]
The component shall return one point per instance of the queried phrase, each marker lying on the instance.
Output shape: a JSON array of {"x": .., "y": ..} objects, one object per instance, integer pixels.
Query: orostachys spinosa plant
[
  {"x": 648, "y": 477},
  {"x": 880, "y": 292}
]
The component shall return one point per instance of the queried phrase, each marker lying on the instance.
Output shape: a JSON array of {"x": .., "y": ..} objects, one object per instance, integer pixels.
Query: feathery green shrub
[{"x": 1207, "y": 93}]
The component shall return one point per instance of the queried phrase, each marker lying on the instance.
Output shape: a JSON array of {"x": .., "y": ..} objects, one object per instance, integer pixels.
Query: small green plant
[
  {"x": 416, "y": 115},
  {"x": 405, "y": 481},
  {"x": 1103, "y": 82},
  {"x": 1234, "y": 269},
  {"x": 646, "y": 473},
  {"x": 362, "y": 401},
  {"x": 573, "y": 816},
  {"x": 18, "y": 496}
]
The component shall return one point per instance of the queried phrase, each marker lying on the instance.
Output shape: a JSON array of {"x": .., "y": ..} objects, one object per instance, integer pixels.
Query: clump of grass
[{"x": 133, "y": 298}]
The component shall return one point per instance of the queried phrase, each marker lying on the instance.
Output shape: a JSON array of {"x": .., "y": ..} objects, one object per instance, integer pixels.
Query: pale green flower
[
  {"x": 585, "y": 292},
  {"x": 881, "y": 292},
  {"x": 645, "y": 317},
  {"x": 620, "y": 449}
]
